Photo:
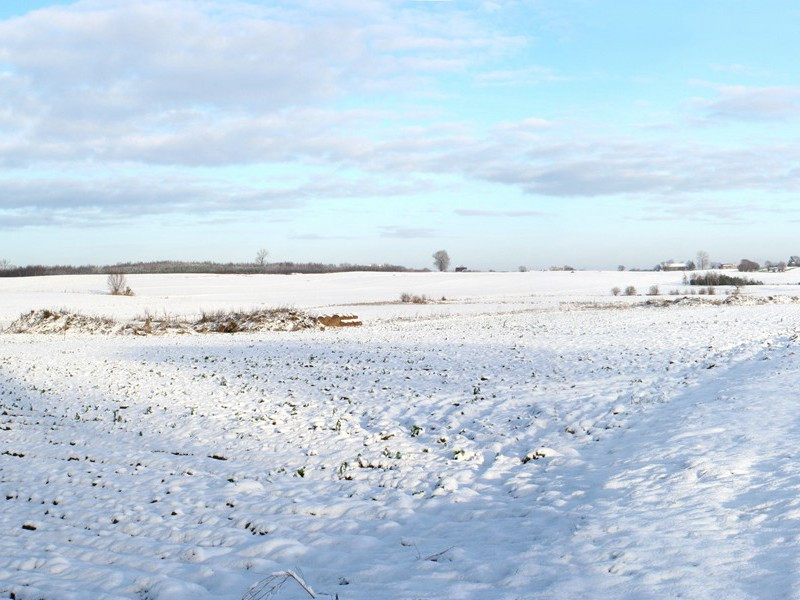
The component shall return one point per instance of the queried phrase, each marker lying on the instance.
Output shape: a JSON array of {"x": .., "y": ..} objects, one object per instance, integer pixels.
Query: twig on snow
[{"x": 268, "y": 587}]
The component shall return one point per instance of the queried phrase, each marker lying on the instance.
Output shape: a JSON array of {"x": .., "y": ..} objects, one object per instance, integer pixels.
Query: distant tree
[
  {"x": 775, "y": 267},
  {"x": 523, "y": 269},
  {"x": 118, "y": 285},
  {"x": 794, "y": 261},
  {"x": 261, "y": 257},
  {"x": 630, "y": 291},
  {"x": 4, "y": 264},
  {"x": 702, "y": 260},
  {"x": 441, "y": 260},
  {"x": 690, "y": 266},
  {"x": 621, "y": 268},
  {"x": 615, "y": 291},
  {"x": 748, "y": 266}
]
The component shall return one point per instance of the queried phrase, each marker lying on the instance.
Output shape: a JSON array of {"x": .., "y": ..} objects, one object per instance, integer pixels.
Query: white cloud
[
  {"x": 468, "y": 212},
  {"x": 749, "y": 103},
  {"x": 185, "y": 85}
]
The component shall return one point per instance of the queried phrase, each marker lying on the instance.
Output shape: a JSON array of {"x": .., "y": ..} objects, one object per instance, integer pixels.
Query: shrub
[
  {"x": 653, "y": 291},
  {"x": 630, "y": 291},
  {"x": 615, "y": 291},
  {"x": 118, "y": 285},
  {"x": 413, "y": 298},
  {"x": 715, "y": 279}
]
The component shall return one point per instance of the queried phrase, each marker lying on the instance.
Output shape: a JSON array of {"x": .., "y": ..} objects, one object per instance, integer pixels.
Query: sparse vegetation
[
  {"x": 630, "y": 291},
  {"x": 653, "y": 291},
  {"x": 413, "y": 298},
  {"x": 615, "y": 291},
  {"x": 60, "y": 321}
]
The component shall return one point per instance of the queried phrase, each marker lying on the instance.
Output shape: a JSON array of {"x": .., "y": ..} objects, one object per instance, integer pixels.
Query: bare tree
[
  {"x": 702, "y": 260},
  {"x": 118, "y": 285},
  {"x": 261, "y": 257},
  {"x": 523, "y": 269},
  {"x": 4, "y": 264},
  {"x": 441, "y": 260}
]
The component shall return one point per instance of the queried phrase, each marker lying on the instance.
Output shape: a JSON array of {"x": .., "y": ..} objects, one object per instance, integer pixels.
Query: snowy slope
[{"x": 561, "y": 451}]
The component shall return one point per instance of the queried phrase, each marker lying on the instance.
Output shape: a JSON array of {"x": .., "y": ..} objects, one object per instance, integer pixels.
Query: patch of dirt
[{"x": 339, "y": 321}]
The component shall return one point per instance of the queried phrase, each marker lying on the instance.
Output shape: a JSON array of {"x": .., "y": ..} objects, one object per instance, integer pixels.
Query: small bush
[
  {"x": 711, "y": 290},
  {"x": 653, "y": 291},
  {"x": 615, "y": 291},
  {"x": 118, "y": 285},
  {"x": 630, "y": 291},
  {"x": 413, "y": 298}
]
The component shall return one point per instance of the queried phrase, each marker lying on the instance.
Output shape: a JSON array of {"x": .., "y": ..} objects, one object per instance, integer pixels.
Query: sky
[{"x": 506, "y": 132}]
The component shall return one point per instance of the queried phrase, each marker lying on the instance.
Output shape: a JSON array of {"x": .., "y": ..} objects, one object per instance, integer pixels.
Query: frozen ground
[{"x": 522, "y": 439}]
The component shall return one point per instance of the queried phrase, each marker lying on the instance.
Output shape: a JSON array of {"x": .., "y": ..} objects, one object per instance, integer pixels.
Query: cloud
[
  {"x": 178, "y": 87},
  {"x": 467, "y": 212},
  {"x": 743, "y": 103},
  {"x": 207, "y": 83},
  {"x": 408, "y": 232},
  {"x": 89, "y": 202},
  {"x": 514, "y": 77},
  {"x": 320, "y": 237}
]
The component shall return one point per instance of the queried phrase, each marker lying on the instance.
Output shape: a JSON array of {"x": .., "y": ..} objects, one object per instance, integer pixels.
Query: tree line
[{"x": 171, "y": 266}]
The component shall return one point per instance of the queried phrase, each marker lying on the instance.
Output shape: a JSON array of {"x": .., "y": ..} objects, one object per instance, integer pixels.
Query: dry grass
[{"x": 60, "y": 321}]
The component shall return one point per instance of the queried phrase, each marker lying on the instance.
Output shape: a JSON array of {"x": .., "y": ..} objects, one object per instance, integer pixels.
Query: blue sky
[{"x": 508, "y": 132}]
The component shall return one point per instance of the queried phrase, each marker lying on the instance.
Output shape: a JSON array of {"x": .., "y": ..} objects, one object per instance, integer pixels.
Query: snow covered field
[{"x": 531, "y": 436}]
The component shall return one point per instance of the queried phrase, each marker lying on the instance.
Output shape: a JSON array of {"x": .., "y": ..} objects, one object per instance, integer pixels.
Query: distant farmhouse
[{"x": 671, "y": 265}]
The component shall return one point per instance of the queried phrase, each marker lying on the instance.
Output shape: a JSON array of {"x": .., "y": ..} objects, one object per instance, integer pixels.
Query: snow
[{"x": 531, "y": 436}]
